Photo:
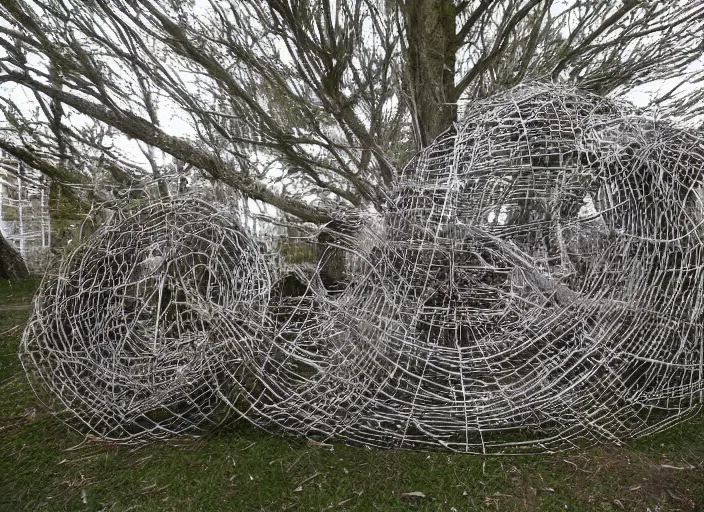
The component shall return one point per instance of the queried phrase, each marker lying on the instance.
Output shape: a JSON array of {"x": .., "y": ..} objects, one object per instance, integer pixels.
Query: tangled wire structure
[
  {"x": 538, "y": 282},
  {"x": 129, "y": 335},
  {"x": 533, "y": 284}
]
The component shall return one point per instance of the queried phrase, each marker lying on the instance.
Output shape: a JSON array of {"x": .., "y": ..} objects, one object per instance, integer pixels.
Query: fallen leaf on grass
[
  {"x": 668, "y": 466},
  {"x": 9, "y": 331},
  {"x": 414, "y": 494},
  {"x": 318, "y": 443},
  {"x": 674, "y": 496},
  {"x": 311, "y": 477}
]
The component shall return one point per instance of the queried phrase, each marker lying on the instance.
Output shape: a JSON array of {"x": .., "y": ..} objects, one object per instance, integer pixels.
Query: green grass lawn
[
  {"x": 46, "y": 466},
  {"x": 12, "y": 293}
]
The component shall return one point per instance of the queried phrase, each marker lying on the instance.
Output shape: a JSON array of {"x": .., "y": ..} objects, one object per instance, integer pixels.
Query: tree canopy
[{"x": 309, "y": 104}]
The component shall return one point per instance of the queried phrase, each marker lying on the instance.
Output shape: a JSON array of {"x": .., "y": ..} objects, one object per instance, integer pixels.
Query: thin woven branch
[{"x": 534, "y": 285}]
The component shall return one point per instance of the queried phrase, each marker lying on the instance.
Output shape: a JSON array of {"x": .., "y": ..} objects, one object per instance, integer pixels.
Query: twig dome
[
  {"x": 536, "y": 282},
  {"x": 130, "y": 333}
]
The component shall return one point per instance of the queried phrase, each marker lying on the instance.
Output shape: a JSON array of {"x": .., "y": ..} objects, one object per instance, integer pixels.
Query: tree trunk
[
  {"x": 430, "y": 66},
  {"x": 332, "y": 259},
  {"x": 333, "y": 269},
  {"x": 12, "y": 266}
]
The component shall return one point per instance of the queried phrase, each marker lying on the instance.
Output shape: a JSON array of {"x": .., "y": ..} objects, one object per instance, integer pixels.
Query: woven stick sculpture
[
  {"x": 534, "y": 284},
  {"x": 129, "y": 335}
]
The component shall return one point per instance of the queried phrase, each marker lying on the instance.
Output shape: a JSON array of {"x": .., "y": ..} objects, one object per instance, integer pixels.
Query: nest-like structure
[
  {"x": 130, "y": 333},
  {"x": 537, "y": 282}
]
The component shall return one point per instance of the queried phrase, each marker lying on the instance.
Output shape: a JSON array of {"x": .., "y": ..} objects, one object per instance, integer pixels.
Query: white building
[{"x": 24, "y": 210}]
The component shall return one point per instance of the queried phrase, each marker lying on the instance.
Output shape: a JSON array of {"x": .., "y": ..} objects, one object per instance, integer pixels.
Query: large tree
[
  {"x": 310, "y": 105},
  {"x": 12, "y": 266}
]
